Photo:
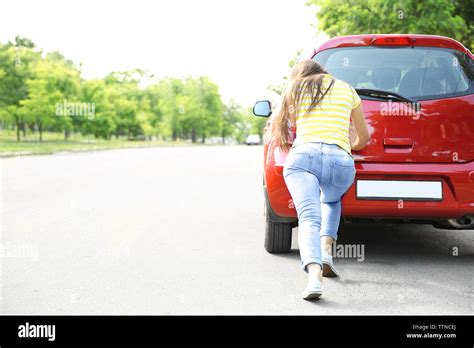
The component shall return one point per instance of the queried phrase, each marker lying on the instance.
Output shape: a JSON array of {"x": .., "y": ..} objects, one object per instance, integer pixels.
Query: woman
[{"x": 319, "y": 169}]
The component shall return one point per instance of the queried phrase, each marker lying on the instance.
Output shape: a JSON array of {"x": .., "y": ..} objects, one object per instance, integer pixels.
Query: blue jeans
[{"x": 317, "y": 175}]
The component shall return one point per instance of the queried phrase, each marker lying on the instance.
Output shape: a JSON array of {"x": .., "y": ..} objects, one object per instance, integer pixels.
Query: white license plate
[{"x": 399, "y": 189}]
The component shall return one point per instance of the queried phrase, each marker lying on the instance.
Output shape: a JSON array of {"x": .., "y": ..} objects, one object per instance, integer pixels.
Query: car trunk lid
[{"x": 442, "y": 131}]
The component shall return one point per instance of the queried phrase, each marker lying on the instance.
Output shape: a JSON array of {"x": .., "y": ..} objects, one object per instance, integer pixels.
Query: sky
[{"x": 242, "y": 45}]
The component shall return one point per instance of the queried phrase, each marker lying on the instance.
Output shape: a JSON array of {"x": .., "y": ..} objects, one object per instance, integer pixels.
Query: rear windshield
[{"x": 420, "y": 73}]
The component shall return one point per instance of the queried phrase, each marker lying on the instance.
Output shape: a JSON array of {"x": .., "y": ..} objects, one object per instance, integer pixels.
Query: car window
[{"x": 420, "y": 73}]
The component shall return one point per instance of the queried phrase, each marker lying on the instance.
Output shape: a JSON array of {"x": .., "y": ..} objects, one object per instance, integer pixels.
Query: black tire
[{"x": 277, "y": 236}]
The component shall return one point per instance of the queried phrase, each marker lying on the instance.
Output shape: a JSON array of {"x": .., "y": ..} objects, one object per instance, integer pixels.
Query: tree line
[{"x": 45, "y": 91}]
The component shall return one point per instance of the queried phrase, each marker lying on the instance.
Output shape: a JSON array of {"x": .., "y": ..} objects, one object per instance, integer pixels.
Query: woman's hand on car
[{"x": 358, "y": 132}]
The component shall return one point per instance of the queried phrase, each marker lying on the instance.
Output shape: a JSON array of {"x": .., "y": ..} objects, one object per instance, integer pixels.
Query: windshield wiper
[{"x": 380, "y": 94}]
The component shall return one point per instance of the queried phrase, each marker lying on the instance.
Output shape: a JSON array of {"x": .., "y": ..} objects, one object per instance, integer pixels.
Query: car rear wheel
[{"x": 277, "y": 236}]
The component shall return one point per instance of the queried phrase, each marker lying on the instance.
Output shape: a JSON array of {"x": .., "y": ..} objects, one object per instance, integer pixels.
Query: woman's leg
[
  {"x": 327, "y": 243},
  {"x": 330, "y": 217},
  {"x": 304, "y": 190},
  {"x": 340, "y": 171}
]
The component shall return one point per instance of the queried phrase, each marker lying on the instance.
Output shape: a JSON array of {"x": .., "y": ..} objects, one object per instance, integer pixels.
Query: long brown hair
[{"x": 306, "y": 78}]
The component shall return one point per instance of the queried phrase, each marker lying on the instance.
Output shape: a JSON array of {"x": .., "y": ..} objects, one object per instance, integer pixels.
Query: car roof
[{"x": 368, "y": 40}]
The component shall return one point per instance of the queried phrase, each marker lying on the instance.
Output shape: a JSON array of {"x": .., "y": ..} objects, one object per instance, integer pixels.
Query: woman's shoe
[
  {"x": 313, "y": 290},
  {"x": 328, "y": 265}
]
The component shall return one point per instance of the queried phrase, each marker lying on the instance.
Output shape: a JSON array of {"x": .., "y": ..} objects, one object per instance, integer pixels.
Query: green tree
[
  {"x": 231, "y": 117},
  {"x": 189, "y": 108},
  {"x": 434, "y": 17},
  {"x": 53, "y": 82},
  {"x": 122, "y": 101},
  {"x": 16, "y": 62},
  {"x": 39, "y": 108},
  {"x": 170, "y": 111},
  {"x": 465, "y": 9},
  {"x": 211, "y": 107},
  {"x": 258, "y": 123},
  {"x": 101, "y": 125}
]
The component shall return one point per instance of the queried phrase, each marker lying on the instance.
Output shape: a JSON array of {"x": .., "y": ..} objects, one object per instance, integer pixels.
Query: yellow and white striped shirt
[{"x": 329, "y": 121}]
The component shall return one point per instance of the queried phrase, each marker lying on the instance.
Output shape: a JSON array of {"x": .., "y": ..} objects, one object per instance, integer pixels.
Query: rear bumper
[{"x": 457, "y": 182}]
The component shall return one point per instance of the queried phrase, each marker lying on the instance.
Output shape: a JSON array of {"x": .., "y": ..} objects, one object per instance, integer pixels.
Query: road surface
[{"x": 179, "y": 230}]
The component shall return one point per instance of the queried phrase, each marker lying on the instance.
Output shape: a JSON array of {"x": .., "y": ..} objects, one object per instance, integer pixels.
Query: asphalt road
[{"x": 179, "y": 230}]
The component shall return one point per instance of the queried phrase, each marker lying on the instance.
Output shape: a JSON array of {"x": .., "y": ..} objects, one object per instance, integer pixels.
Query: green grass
[{"x": 54, "y": 142}]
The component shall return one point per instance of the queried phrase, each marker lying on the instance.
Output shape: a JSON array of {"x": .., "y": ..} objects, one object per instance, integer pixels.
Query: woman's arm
[{"x": 358, "y": 132}]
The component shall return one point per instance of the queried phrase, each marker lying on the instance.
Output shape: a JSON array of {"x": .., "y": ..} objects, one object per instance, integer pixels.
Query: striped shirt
[{"x": 329, "y": 121}]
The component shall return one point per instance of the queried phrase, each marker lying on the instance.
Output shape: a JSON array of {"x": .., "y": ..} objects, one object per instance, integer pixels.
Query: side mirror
[{"x": 262, "y": 108}]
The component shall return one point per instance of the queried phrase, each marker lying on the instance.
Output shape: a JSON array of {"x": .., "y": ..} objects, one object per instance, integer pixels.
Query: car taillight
[{"x": 393, "y": 41}]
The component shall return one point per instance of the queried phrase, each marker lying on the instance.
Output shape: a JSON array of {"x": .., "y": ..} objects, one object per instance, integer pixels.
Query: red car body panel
[{"x": 436, "y": 144}]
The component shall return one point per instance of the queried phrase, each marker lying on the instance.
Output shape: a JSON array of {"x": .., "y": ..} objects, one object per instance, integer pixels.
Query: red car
[{"x": 418, "y": 97}]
